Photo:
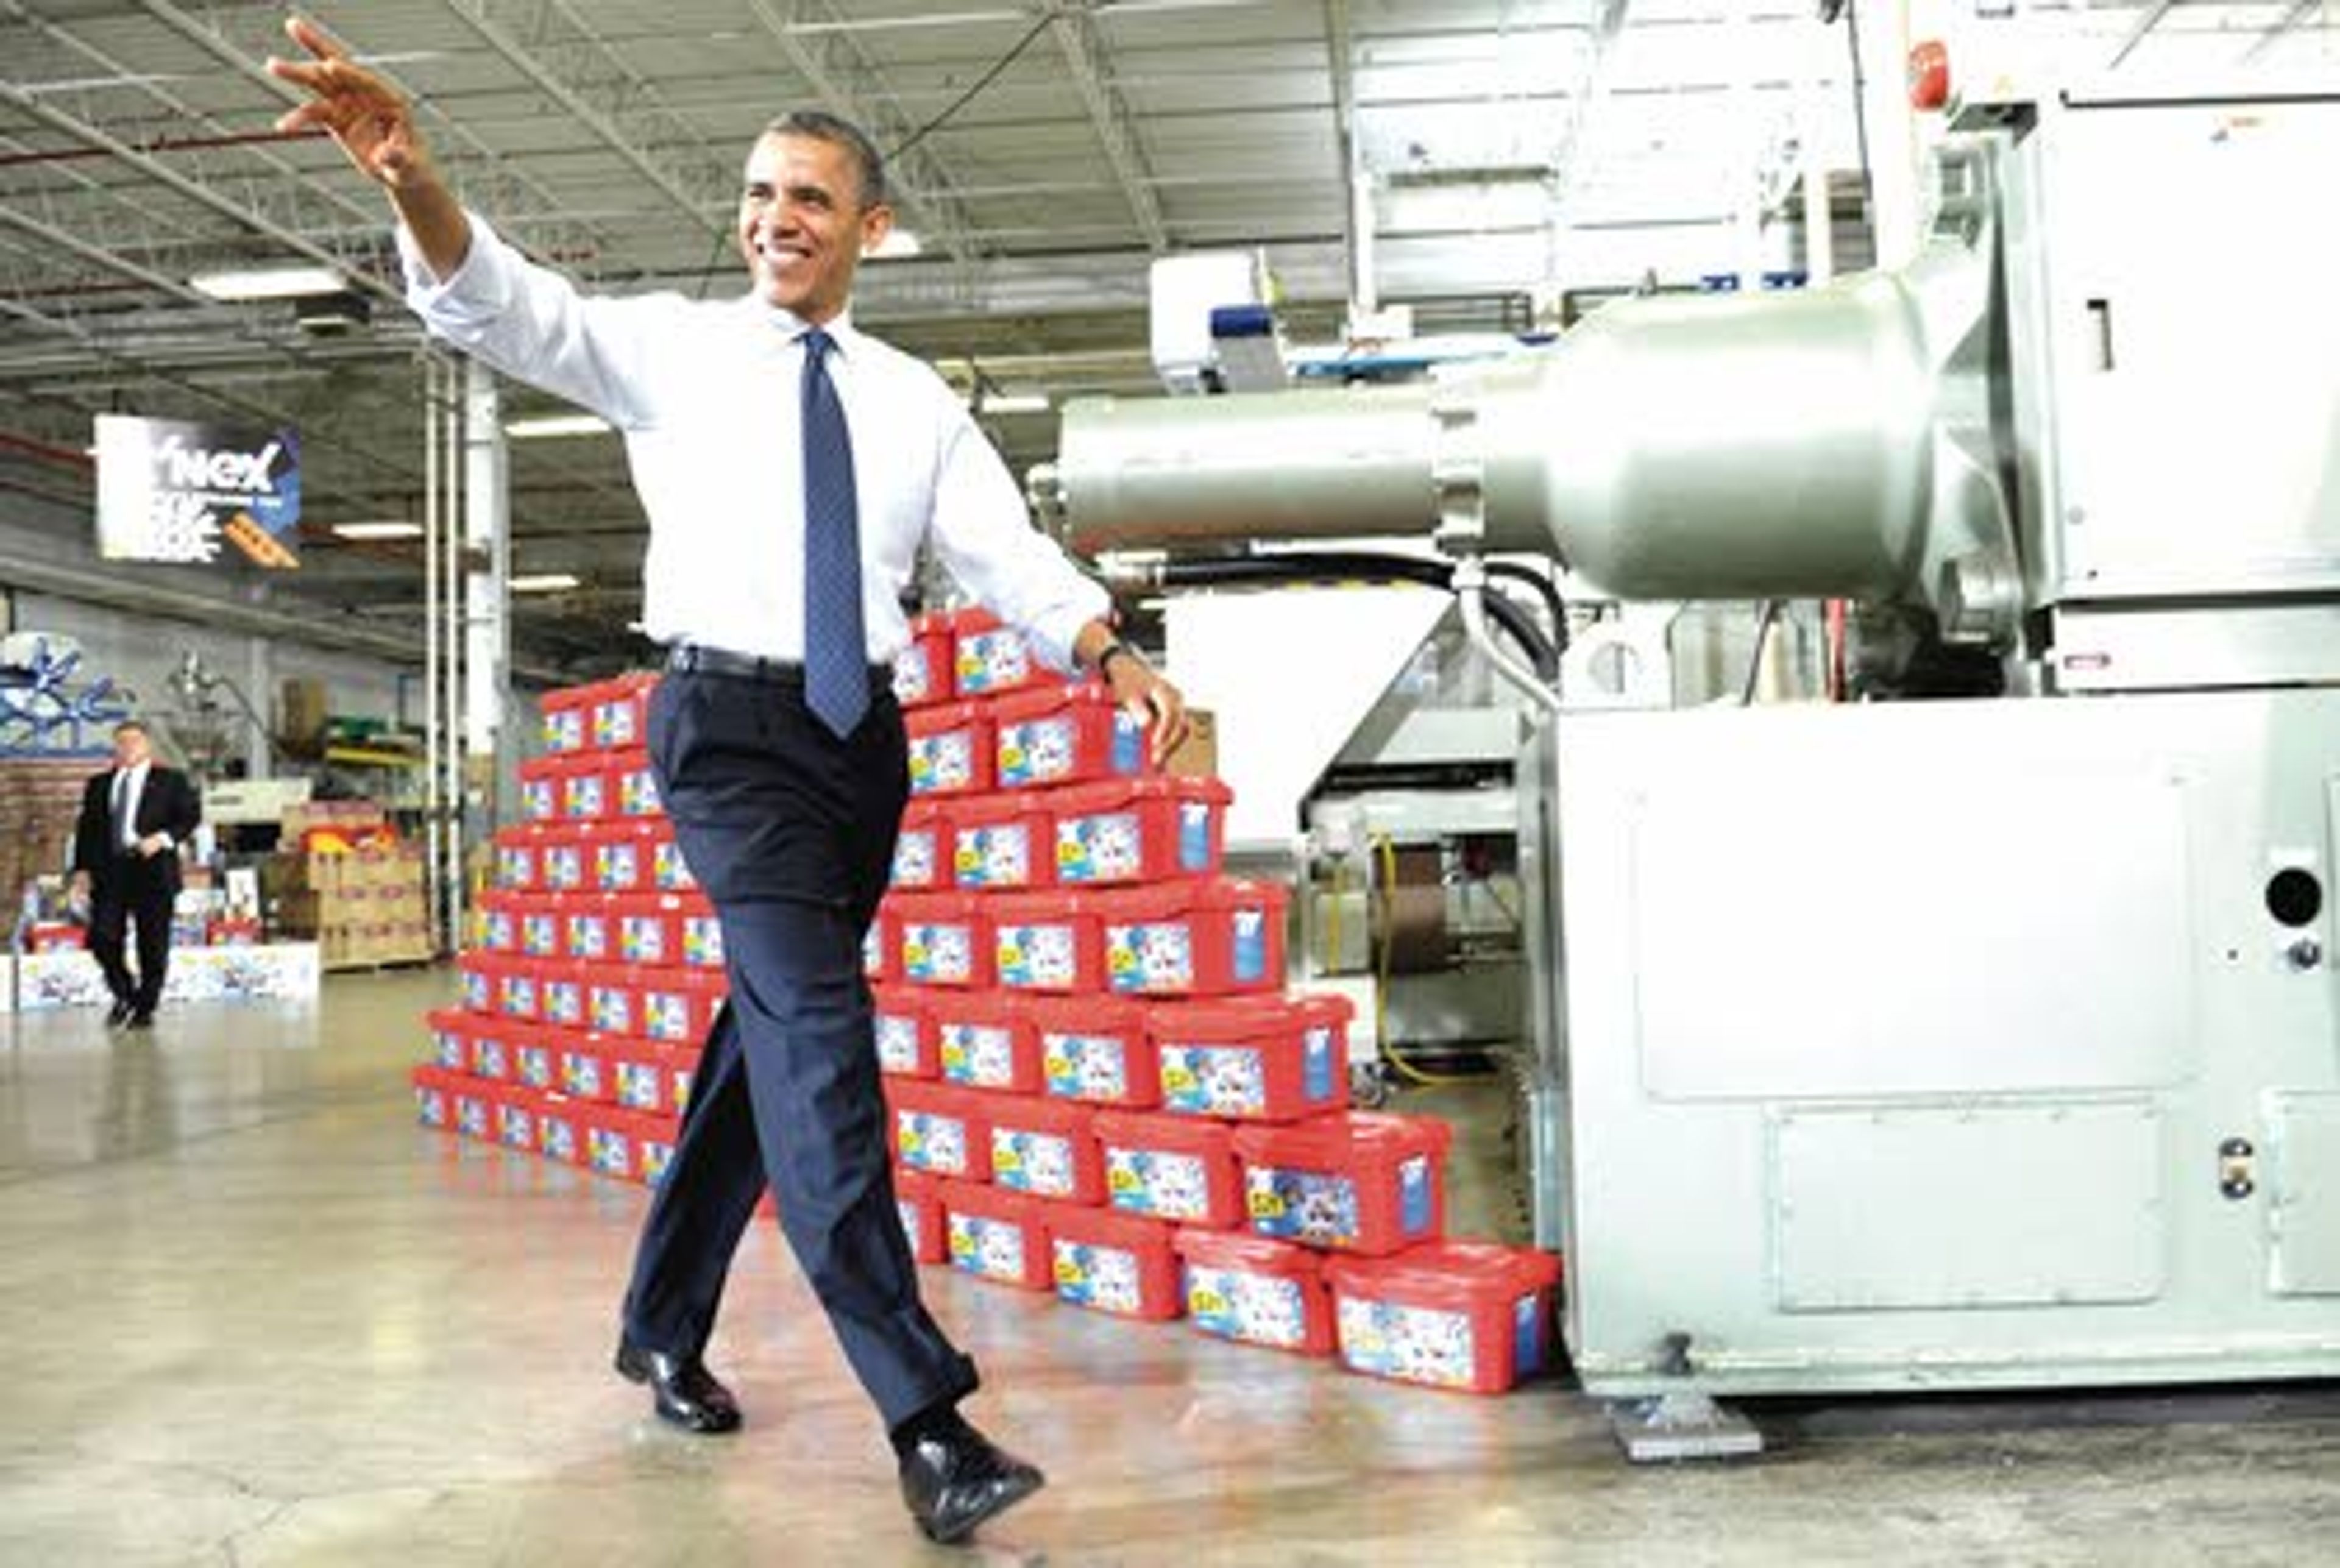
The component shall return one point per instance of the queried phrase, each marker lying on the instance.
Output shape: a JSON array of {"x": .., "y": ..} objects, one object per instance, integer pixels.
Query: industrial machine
[{"x": 1973, "y": 1042}]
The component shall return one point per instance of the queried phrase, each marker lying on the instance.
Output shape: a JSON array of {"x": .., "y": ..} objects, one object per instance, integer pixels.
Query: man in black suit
[{"x": 133, "y": 818}]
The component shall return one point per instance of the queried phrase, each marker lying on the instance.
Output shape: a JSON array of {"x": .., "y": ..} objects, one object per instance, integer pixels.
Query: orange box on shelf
[
  {"x": 985, "y": 1041},
  {"x": 1266, "y": 1059},
  {"x": 1047, "y": 1148},
  {"x": 1047, "y": 941},
  {"x": 1132, "y": 831},
  {"x": 1097, "y": 1049},
  {"x": 950, "y": 750},
  {"x": 1115, "y": 1263},
  {"x": 1362, "y": 1182},
  {"x": 906, "y": 1031},
  {"x": 476, "y": 972},
  {"x": 1171, "y": 1167},
  {"x": 1064, "y": 733},
  {"x": 499, "y": 915},
  {"x": 1206, "y": 938},
  {"x": 1260, "y": 1292},
  {"x": 1474, "y": 1315},
  {"x": 1001, "y": 1237}
]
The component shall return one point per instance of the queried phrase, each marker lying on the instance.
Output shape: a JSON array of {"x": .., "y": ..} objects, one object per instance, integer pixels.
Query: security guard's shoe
[
  {"x": 684, "y": 1391},
  {"x": 955, "y": 1478}
]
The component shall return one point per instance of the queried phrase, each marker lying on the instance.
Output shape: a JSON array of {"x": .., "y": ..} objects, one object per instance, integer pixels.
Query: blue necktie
[{"x": 837, "y": 652}]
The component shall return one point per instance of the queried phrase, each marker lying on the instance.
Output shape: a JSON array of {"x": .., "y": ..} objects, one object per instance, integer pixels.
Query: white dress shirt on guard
[{"x": 706, "y": 395}]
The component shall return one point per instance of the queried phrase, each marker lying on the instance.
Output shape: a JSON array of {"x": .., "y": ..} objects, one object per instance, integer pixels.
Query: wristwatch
[{"x": 1104, "y": 655}]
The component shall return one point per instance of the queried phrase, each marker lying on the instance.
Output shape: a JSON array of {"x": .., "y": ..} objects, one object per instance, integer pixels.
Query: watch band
[{"x": 1104, "y": 654}]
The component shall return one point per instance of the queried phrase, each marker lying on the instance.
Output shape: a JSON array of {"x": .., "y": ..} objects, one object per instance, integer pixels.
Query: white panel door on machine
[
  {"x": 1769, "y": 962},
  {"x": 1290, "y": 674}
]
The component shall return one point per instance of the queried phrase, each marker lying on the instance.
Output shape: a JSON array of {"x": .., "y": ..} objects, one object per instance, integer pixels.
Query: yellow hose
[{"x": 1390, "y": 1052}]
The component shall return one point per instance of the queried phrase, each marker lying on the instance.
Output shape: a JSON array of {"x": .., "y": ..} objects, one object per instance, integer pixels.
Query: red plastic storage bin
[
  {"x": 988, "y": 659},
  {"x": 922, "y": 671},
  {"x": 679, "y": 1006},
  {"x": 1207, "y": 938},
  {"x": 611, "y": 1146},
  {"x": 488, "y": 1050},
  {"x": 670, "y": 871},
  {"x": 535, "y": 1055},
  {"x": 1096, "y": 1048},
  {"x": 473, "y": 1104},
  {"x": 983, "y": 1040},
  {"x": 702, "y": 933},
  {"x": 625, "y": 856},
  {"x": 1171, "y": 1167},
  {"x": 517, "y": 848},
  {"x": 537, "y": 919},
  {"x": 587, "y": 1070},
  {"x": 1254, "y": 1058},
  {"x": 921, "y": 1209},
  {"x": 588, "y": 787},
  {"x": 450, "y": 1040},
  {"x": 520, "y": 987},
  {"x": 649, "y": 928},
  {"x": 1047, "y": 1148},
  {"x": 939, "y": 1129},
  {"x": 681, "y": 1072},
  {"x": 619, "y": 710},
  {"x": 950, "y": 750},
  {"x": 640, "y": 1079},
  {"x": 905, "y": 1032},
  {"x": 1064, "y": 734},
  {"x": 500, "y": 922},
  {"x": 561, "y": 994},
  {"x": 1115, "y": 1263},
  {"x": 1001, "y": 1237},
  {"x": 1260, "y": 1292},
  {"x": 477, "y": 974},
  {"x": 1051, "y": 941},
  {"x": 633, "y": 787},
  {"x": 434, "y": 1097},
  {"x": 1362, "y": 1182},
  {"x": 1467, "y": 1314},
  {"x": 565, "y": 859},
  {"x": 614, "y": 1003},
  {"x": 881, "y": 948},
  {"x": 942, "y": 939},
  {"x": 655, "y": 1134},
  {"x": 560, "y": 1129},
  {"x": 1002, "y": 843},
  {"x": 1139, "y": 830},
  {"x": 567, "y": 718},
  {"x": 589, "y": 927},
  {"x": 515, "y": 1118},
  {"x": 539, "y": 786},
  {"x": 922, "y": 851}
]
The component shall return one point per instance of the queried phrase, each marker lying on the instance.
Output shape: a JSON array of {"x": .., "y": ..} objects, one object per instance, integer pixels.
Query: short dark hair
[
  {"x": 137, "y": 724},
  {"x": 821, "y": 125}
]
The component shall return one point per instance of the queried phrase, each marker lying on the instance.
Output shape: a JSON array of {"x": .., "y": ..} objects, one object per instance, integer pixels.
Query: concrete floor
[{"x": 257, "y": 1317}]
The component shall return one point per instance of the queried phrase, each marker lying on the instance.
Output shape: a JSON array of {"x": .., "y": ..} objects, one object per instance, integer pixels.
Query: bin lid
[
  {"x": 1180, "y": 1134},
  {"x": 1329, "y": 1142},
  {"x": 1168, "y": 900},
  {"x": 1252, "y": 1253},
  {"x": 1036, "y": 701},
  {"x": 1119, "y": 794},
  {"x": 1443, "y": 1270}
]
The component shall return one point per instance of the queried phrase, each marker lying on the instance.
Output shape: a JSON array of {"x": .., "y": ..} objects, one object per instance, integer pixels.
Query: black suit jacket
[{"x": 168, "y": 804}]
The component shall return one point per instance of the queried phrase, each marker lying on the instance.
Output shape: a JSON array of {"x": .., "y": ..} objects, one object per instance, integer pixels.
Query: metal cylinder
[{"x": 1717, "y": 447}]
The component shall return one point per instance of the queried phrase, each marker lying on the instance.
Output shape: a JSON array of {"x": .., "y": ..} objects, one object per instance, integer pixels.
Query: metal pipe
[{"x": 1471, "y": 594}]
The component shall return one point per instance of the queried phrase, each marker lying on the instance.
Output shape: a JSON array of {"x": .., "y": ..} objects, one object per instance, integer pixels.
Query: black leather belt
[{"x": 692, "y": 659}]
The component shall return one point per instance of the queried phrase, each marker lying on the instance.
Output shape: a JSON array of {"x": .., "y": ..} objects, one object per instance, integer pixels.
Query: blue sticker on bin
[
  {"x": 1413, "y": 1194},
  {"x": 1195, "y": 836},
  {"x": 1250, "y": 945},
  {"x": 1527, "y": 1336},
  {"x": 1316, "y": 1064}
]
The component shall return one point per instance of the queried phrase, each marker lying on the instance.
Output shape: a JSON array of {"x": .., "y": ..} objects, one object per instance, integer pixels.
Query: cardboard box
[{"x": 1197, "y": 756}]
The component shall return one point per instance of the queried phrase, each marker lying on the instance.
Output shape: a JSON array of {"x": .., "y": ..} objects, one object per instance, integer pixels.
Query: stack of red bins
[
  {"x": 598, "y": 966},
  {"x": 1096, "y": 1082}
]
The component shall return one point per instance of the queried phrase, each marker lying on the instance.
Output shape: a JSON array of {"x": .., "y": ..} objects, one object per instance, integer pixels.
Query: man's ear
[{"x": 876, "y": 225}]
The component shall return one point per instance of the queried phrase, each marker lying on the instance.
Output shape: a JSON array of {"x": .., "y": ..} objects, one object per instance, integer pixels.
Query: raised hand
[{"x": 373, "y": 124}]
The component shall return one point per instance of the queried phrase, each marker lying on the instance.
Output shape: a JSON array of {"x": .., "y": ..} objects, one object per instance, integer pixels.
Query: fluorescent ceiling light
[
  {"x": 387, "y": 529},
  {"x": 898, "y": 243},
  {"x": 552, "y": 425},
  {"x": 545, "y": 582},
  {"x": 1015, "y": 402},
  {"x": 269, "y": 283}
]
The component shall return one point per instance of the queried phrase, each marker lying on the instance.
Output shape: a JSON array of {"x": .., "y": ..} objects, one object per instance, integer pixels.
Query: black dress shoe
[
  {"x": 686, "y": 1392},
  {"x": 141, "y": 1019},
  {"x": 955, "y": 1481},
  {"x": 120, "y": 1015}
]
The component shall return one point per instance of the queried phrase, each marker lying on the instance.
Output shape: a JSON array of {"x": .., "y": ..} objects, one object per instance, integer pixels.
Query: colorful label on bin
[
  {"x": 564, "y": 1003},
  {"x": 533, "y": 1065},
  {"x": 1263, "y": 1308},
  {"x": 1301, "y": 1205},
  {"x": 612, "y": 1008},
  {"x": 616, "y": 724},
  {"x": 471, "y": 1115},
  {"x": 1214, "y": 1080},
  {"x": 1086, "y": 1066},
  {"x": 638, "y": 793},
  {"x": 908, "y": 1212},
  {"x": 993, "y": 661},
  {"x": 873, "y": 950},
  {"x": 641, "y": 1086},
  {"x": 1031, "y": 1162},
  {"x": 668, "y": 869},
  {"x": 913, "y": 682},
  {"x": 488, "y": 1059},
  {"x": 1413, "y": 1214},
  {"x": 1195, "y": 836},
  {"x": 557, "y": 1136},
  {"x": 540, "y": 935},
  {"x": 931, "y": 1142},
  {"x": 983, "y": 1055},
  {"x": 610, "y": 1151},
  {"x": 516, "y": 1128},
  {"x": 581, "y": 1075},
  {"x": 453, "y": 1051},
  {"x": 938, "y": 954},
  {"x": 656, "y": 1155},
  {"x": 588, "y": 936},
  {"x": 1412, "y": 1343},
  {"x": 1039, "y": 753},
  {"x": 1320, "y": 1069},
  {"x": 989, "y": 1248},
  {"x": 618, "y": 866},
  {"x": 518, "y": 995},
  {"x": 998, "y": 857},
  {"x": 914, "y": 858},
  {"x": 1105, "y": 1277},
  {"x": 1150, "y": 959},
  {"x": 1156, "y": 1182},
  {"x": 515, "y": 868},
  {"x": 702, "y": 941},
  {"x": 897, "y": 1043},
  {"x": 537, "y": 800},
  {"x": 1039, "y": 957},
  {"x": 641, "y": 938},
  {"x": 666, "y": 1015},
  {"x": 479, "y": 995},
  {"x": 1527, "y": 1336},
  {"x": 502, "y": 932},
  {"x": 1248, "y": 958},
  {"x": 564, "y": 867},
  {"x": 565, "y": 730},
  {"x": 941, "y": 762},
  {"x": 430, "y": 1107},
  {"x": 584, "y": 796},
  {"x": 1104, "y": 848},
  {"x": 678, "y": 1081}
]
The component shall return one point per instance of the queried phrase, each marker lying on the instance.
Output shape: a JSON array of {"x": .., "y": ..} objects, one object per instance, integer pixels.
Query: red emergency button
[{"x": 1929, "y": 75}]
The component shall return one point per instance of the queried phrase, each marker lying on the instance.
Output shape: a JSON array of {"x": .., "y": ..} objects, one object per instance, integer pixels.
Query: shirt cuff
[{"x": 475, "y": 287}]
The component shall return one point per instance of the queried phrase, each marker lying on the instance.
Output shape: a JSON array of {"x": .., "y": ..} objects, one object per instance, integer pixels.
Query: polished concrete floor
[{"x": 254, "y": 1316}]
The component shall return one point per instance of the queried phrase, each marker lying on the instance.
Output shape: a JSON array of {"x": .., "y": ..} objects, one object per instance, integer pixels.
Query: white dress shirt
[
  {"x": 706, "y": 395},
  {"x": 127, "y": 791}
]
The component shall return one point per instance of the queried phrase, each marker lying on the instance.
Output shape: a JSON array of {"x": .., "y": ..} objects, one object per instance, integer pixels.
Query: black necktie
[
  {"x": 124, "y": 834},
  {"x": 837, "y": 650}
]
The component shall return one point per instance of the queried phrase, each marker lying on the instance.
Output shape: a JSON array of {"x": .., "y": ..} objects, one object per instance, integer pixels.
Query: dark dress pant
[
  {"x": 132, "y": 892},
  {"x": 790, "y": 831}
]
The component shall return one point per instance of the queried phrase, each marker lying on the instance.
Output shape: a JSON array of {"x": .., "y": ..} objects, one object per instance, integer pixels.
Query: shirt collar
[{"x": 792, "y": 326}]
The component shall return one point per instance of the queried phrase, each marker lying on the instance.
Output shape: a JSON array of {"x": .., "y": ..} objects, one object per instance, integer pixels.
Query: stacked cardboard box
[
  {"x": 350, "y": 884},
  {"x": 40, "y": 796}
]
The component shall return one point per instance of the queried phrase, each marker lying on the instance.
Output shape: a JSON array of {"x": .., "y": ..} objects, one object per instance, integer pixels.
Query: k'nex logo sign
[{"x": 170, "y": 490}]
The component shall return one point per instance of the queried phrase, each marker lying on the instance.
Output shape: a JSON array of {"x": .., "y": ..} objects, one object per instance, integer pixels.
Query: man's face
[
  {"x": 802, "y": 227},
  {"x": 130, "y": 748}
]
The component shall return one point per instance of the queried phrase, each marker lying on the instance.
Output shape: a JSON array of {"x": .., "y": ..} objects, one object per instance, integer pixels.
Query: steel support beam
[{"x": 1076, "y": 32}]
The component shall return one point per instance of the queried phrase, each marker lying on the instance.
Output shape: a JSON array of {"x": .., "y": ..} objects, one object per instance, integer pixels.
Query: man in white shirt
[
  {"x": 133, "y": 818},
  {"x": 790, "y": 467}
]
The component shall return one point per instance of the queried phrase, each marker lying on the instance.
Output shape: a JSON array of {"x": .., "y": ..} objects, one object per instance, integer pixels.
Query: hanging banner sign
[{"x": 170, "y": 491}]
